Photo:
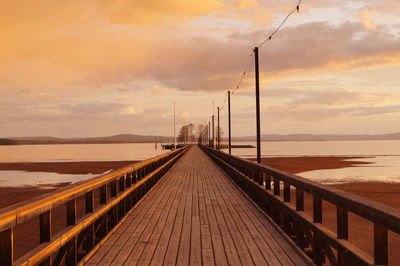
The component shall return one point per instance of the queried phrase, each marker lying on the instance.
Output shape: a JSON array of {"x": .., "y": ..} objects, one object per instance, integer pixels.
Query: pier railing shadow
[
  {"x": 271, "y": 191},
  {"x": 119, "y": 192}
]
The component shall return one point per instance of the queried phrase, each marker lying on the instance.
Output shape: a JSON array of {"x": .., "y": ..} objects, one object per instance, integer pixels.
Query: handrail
[
  {"x": 132, "y": 181},
  {"x": 264, "y": 185}
]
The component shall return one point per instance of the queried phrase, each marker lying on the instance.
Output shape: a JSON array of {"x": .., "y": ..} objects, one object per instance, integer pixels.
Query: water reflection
[{"x": 22, "y": 178}]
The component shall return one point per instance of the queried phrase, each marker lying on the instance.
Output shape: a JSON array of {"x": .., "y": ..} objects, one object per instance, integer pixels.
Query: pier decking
[{"x": 197, "y": 215}]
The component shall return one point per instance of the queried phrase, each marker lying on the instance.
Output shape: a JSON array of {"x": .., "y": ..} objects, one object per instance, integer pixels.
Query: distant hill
[
  {"x": 311, "y": 137},
  {"x": 123, "y": 138},
  {"x": 129, "y": 138}
]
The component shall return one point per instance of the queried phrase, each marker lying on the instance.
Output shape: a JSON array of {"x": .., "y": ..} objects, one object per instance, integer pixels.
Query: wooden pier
[
  {"x": 196, "y": 215},
  {"x": 195, "y": 206}
]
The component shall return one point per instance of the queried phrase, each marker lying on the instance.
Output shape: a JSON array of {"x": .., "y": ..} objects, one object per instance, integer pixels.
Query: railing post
[
  {"x": 342, "y": 230},
  {"x": 45, "y": 226},
  {"x": 103, "y": 194},
  {"x": 319, "y": 257},
  {"x": 380, "y": 245},
  {"x": 286, "y": 192},
  {"x": 6, "y": 247},
  {"x": 71, "y": 212},
  {"x": 277, "y": 186},
  {"x": 89, "y": 202},
  {"x": 113, "y": 188}
]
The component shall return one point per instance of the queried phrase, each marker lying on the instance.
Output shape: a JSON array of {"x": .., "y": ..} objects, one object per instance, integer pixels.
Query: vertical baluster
[
  {"x": 128, "y": 179},
  {"x": 277, "y": 185},
  {"x": 342, "y": 231},
  {"x": 380, "y": 245},
  {"x": 342, "y": 223},
  {"x": 299, "y": 199},
  {"x": 6, "y": 247},
  {"x": 122, "y": 183},
  {"x": 71, "y": 212},
  {"x": 113, "y": 188},
  {"x": 89, "y": 202},
  {"x": 300, "y": 207},
  {"x": 286, "y": 191},
  {"x": 268, "y": 182},
  {"x": 72, "y": 253},
  {"x": 103, "y": 194},
  {"x": 319, "y": 257},
  {"x": 45, "y": 226}
]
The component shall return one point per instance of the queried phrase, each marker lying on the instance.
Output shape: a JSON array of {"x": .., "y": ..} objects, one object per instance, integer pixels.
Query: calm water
[
  {"x": 385, "y": 158},
  {"x": 79, "y": 152}
]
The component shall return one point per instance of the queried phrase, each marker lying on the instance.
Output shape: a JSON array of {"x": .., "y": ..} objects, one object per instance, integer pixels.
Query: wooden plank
[
  {"x": 207, "y": 253},
  {"x": 197, "y": 216},
  {"x": 195, "y": 243},
  {"x": 143, "y": 251},
  {"x": 174, "y": 242},
  {"x": 161, "y": 249},
  {"x": 184, "y": 243},
  {"x": 232, "y": 252},
  {"x": 216, "y": 238},
  {"x": 263, "y": 225},
  {"x": 119, "y": 238},
  {"x": 120, "y": 252}
]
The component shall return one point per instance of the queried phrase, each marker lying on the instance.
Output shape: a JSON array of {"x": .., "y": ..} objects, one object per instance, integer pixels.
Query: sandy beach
[{"x": 360, "y": 230}]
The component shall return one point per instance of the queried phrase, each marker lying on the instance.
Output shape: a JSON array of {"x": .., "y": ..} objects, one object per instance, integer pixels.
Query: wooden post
[
  {"x": 45, "y": 226},
  {"x": 317, "y": 209},
  {"x": 257, "y": 105},
  {"x": 380, "y": 245},
  {"x": 71, "y": 212},
  {"x": 277, "y": 186},
  {"x": 342, "y": 231},
  {"x": 89, "y": 202},
  {"x": 286, "y": 192},
  {"x": 103, "y": 194},
  {"x": 229, "y": 122},
  {"x": 6, "y": 247}
]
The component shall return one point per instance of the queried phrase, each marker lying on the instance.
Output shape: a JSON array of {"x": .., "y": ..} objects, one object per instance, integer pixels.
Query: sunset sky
[{"x": 99, "y": 67}]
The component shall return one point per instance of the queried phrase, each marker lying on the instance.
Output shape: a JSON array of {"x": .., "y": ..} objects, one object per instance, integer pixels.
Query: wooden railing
[
  {"x": 271, "y": 190},
  {"x": 119, "y": 191}
]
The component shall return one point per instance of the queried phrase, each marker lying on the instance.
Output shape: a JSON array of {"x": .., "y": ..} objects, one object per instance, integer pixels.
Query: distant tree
[
  {"x": 186, "y": 134},
  {"x": 202, "y": 133}
]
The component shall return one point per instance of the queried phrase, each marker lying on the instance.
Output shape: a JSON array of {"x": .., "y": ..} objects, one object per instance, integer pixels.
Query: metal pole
[
  {"x": 229, "y": 122},
  {"x": 257, "y": 105},
  {"x": 209, "y": 134},
  {"x": 218, "y": 132},
  {"x": 213, "y": 133},
  {"x": 174, "y": 128}
]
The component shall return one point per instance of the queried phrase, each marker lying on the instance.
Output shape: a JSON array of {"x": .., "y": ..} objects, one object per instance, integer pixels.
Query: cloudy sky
[{"x": 100, "y": 67}]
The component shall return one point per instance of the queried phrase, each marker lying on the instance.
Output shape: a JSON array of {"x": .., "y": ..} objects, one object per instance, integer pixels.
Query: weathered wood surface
[{"x": 197, "y": 215}]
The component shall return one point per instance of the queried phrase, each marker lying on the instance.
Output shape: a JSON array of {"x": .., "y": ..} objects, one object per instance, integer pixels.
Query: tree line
[{"x": 191, "y": 133}]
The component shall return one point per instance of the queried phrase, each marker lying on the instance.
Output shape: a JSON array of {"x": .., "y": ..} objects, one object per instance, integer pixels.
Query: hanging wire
[
  {"x": 250, "y": 62},
  {"x": 297, "y": 8}
]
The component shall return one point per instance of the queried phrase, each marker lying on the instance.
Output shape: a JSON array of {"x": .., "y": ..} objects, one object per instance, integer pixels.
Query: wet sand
[
  {"x": 295, "y": 165},
  {"x": 13, "y": 195},
  {"x": 360, "y": 230}
]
